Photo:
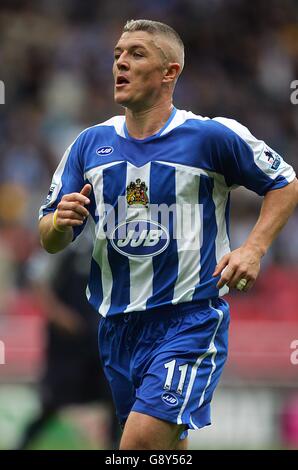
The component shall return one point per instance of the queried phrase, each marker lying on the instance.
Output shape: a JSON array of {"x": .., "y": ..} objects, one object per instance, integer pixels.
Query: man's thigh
[{"x": 144, "y": 432}]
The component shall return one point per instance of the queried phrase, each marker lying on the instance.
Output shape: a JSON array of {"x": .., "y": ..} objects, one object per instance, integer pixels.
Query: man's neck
[{"x": 145, "y": 123}]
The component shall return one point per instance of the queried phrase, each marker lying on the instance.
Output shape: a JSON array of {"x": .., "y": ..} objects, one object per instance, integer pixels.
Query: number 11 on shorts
[{"x": 171, "y": 369}]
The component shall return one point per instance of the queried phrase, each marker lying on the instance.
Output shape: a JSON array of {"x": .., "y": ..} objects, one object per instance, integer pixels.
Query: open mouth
[{"x": 121, "y": 81}]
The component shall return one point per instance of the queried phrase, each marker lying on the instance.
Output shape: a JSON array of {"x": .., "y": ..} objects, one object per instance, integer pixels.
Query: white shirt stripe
[
  {"x": 222, "y": 243},
  {"x": 141, "y": 270},
  {"x": 180, "y": 117},
  {"x": 100, "y": 251},
  {"x": 189, "y": 236},
  {"x": 116, "y": 121}
]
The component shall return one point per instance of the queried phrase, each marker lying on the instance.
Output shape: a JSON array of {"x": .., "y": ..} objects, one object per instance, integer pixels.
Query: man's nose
[{"x": 122, "y": 62}]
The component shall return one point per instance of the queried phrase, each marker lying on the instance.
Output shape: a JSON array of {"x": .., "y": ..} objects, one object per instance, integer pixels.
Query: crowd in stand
[{"x": 56, "y": 59}]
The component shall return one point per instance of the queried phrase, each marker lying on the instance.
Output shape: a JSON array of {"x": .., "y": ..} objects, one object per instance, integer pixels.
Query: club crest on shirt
[{"x": 136, "y": 193}]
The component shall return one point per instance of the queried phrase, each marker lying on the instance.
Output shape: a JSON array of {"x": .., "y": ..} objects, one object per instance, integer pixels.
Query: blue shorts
[{"x": 166, "y": 363}]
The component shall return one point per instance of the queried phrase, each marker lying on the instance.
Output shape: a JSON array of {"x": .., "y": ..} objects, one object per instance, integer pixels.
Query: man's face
[{"x": 138, "y": 69}]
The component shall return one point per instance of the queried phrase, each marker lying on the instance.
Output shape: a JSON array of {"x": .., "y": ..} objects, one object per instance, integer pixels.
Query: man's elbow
[
  {"x": 293, "y": 188},
  {"x": 48, "y": 247}
]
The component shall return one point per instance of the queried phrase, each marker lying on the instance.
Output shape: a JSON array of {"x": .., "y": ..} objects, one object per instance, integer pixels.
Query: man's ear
[{"x": 172, "y": 72}]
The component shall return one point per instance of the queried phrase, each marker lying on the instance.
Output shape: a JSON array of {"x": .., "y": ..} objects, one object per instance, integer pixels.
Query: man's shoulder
[
  {"x": 231, "y": 125},
  {"x": 103, "y": 131},
  {"x": 215, "y": 125},
  {"x": 113, "y": 124}
]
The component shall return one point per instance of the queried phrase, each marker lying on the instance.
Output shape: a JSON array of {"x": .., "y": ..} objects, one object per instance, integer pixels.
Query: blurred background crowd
[{"x": 55, "y": 62}]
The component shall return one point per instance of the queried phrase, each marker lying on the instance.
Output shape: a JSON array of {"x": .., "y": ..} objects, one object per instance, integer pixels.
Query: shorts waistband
[{"x": 163, "y": 311}]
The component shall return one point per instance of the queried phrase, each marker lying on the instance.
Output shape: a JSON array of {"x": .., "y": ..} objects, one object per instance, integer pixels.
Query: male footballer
[{"x": 155, "y": 185}]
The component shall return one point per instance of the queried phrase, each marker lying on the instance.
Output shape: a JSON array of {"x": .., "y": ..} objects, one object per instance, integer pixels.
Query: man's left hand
[{"x": 243, "y": 263}]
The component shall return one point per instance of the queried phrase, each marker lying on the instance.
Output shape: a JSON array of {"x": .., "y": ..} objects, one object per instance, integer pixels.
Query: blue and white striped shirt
[{"x": 160, "y": 206}]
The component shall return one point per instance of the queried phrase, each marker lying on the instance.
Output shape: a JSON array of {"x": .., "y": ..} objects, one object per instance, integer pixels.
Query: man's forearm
[
  {"x": 52, "y": 240},
  {"x": 277, "y": 207}
]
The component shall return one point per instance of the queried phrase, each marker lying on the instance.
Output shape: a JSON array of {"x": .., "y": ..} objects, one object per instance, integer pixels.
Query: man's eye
[
  {"x": 116, "y": 56},
  {"x": 137, "y": 54}
]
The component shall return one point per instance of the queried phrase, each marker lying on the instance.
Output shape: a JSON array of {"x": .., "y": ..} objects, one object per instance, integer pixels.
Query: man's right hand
[
  {"x": 56, "y": 229},
  {"x": 71, "y": 210}
]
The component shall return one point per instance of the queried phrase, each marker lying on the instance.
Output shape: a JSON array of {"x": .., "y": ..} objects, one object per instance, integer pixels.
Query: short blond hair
[{"x": 155, "y": 28}]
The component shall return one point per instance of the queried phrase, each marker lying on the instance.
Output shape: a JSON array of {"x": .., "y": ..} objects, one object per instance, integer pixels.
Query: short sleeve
[
  {"x": 68, "y": 178},
  {"x": 247, "y": 161}
]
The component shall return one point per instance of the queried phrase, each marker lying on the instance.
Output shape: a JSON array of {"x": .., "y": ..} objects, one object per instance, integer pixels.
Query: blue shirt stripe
[{"x": 165, "y": 265}]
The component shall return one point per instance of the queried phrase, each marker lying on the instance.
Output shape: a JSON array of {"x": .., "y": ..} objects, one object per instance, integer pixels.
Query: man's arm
[
  {"x": 56, "y": 229},
  {"x": 244, "y": 262}
]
